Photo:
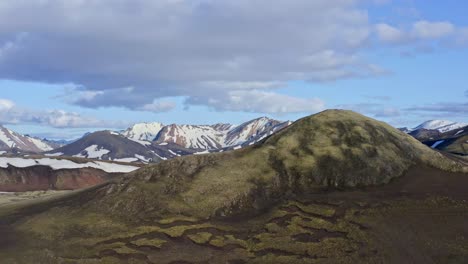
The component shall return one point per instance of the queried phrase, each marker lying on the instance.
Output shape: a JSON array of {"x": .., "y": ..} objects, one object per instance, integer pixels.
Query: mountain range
[
  {"x": 153, "y": 142},
  {"x": 335, "y": 187}
]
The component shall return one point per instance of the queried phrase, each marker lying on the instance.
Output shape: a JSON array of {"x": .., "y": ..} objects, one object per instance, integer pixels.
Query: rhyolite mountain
[
  {"x": 440, "y": 125},
  {"x": 143, "y": 131},
  {"x": 152, "y": 142},
  {"x": 205, "y": 137},
  {"x": 335, "y": 187},
  {"x": 11, "y": 141}
]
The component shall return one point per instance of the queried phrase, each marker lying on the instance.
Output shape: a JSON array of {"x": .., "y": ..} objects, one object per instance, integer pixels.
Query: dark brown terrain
[{"x": 36, "y": 178}]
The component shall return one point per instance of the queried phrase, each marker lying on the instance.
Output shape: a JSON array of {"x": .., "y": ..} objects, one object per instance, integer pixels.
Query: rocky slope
[
  {"x": 11, "y": 141},
  {"x": 107, "y": 145},
  {"x": 440, "y": 125},
  {"x": 274, "y": 202},
  {"x": 205, "y": 137},
  {"x": 453, "y": 141},
  {"x": 33, "y": 174},
  {"x": 153, "y": 142},
  {"x": 143, "y": 131},
  {"x": 37, "y": 178}
]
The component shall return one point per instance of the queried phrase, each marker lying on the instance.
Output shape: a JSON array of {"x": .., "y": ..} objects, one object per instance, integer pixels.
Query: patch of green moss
[
  {"x": 200, "y": 238},
  {"x": 154, "y": 242}
]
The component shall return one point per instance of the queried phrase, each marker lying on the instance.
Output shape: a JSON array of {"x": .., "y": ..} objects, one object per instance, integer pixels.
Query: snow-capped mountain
[
  {"x": 194, "y": 136},
  {"x": 203, "y": 137},
  {"x": 440, "y": 125},
  {"x": 143, "y": 131},
  {"x": 152, "y": 142},
  {"x": 10, "y": 140},
  {"x": 107, "y": 145},
  {"x": 218, "y": 136},
  {"x": 254, "y": 129}
]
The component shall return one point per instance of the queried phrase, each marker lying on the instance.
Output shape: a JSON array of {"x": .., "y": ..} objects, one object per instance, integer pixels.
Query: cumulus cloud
[
  {"x": 129, "y": 53},
  {"x": 419, "y": 31},
  {"x": 6, "y": 105},
  {"x": 390, "y": 34},
  {"x": 12, "y": 114},
  {"x": 258, "y": 101},
  {"x": 432, "y": 30},
  {"x": 158, "y": 106},
  {"x": 136, "y": 53}
]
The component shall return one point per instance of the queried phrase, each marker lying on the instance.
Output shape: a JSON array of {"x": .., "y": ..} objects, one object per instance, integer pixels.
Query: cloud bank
[
  {"x": 134, "y": 53},
  {"x": 12, "y": 114},
  {"x": 229, "y": 55}
]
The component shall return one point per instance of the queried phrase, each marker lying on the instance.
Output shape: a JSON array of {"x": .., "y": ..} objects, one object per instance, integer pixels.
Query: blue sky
[{"x": 203, "y": 62}]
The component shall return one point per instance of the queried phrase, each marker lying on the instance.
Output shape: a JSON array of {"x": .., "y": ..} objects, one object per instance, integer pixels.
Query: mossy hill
[{"x": 324, "y": 190}]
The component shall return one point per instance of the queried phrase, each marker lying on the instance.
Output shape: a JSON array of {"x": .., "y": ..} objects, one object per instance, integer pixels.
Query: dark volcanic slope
[
  {"x": 116, "y": 146},
  {"x": 455, "y": 141},
  {"x": 276, "y": 202}
]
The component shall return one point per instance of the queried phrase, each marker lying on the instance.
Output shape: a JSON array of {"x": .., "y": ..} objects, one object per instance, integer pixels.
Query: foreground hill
[{"x": 274, "y": 202}]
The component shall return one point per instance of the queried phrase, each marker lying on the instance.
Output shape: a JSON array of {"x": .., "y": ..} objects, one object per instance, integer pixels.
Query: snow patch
[
  {"x": 58, "y": 164},
  {"x": 173, "y": 153},
  {"x": 163, "y": 158},
  {"x": 437, "y": 143},
  {"x": 126, "y": 160},
  {"x": 142, "y": 158},
  {"x": 54, "y": 154},
  {"x": 3, "y": 137},
  {"x": 202, "y": 152},
  {"x": 40, "y": 144},
  {"x": 93, "y": 152}
]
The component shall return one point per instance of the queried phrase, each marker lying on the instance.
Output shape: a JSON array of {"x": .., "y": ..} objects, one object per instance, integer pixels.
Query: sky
[{"x": 69, "y": 67}]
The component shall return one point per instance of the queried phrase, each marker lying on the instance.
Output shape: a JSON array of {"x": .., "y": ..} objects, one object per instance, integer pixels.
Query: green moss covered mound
[{"x": 332, "y": 149}]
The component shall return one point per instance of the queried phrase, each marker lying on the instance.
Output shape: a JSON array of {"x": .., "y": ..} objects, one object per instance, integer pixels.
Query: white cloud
[
  {"x": 12, "y": 114},
  {"x": 419, "y": 31},
  {"x": 158, "y": 106},
  {"x": 432, "y": 30},
  {"x": 181, "y": 48},
  {"x": 6, "y": 105},
  {"x": 258, "y": 101},
  {"x": 387, "y": 33}
]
